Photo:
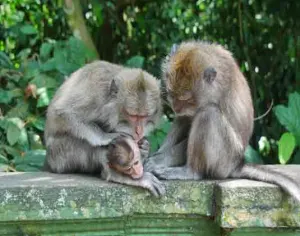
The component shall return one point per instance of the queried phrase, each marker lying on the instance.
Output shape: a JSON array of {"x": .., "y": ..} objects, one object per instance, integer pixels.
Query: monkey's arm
[
  {"x": 174, "y": 156},
  {"x": 90, "y": 132},
  {"x": 179, "y": 131},
  {"x": 173, "y": 150},
  {"x": 148, "y": 181},
  {"x": 144, "y": 147}
]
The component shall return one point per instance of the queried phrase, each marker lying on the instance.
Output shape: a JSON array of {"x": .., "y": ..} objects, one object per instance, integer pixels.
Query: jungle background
[{"x": 43, "y": 41}]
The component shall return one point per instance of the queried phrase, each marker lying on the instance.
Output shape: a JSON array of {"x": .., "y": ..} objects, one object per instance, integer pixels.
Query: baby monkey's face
[{"x": 124, "y": 156}]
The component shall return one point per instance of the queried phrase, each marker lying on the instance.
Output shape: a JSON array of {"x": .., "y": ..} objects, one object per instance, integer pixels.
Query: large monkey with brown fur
[
  {"x": 98, "y": 103},
  {"x": 214, "y": 119}
]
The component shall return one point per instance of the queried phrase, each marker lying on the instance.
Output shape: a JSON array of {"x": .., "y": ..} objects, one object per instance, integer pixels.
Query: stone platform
[{"x": 51, "y": 204}]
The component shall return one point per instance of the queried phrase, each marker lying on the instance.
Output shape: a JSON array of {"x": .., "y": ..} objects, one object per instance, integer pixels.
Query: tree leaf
[
  {"x": 3, "y": 159},
  {"x": 135, "y": 62},
  {"x": 20, "y": 110},
  {"x": 296, "y": 158},
  {"x": 252, "y": 156},
  {"x": 14, "y": 152},
  {"x": 28, "y": 30},
  {"x": 5, "y": 96},
  {"x": 43, "y": 80},
  {"x": 43, "y": 99},
  {"x": 45, "y": 50},
  {"x": 15, "y": 131},
  {"x": 49, "y": 65},
  {"x": 13, "y": 134},
  {"x": 24, "y": 53},
  {"x": 289, "y": 116},
  {"x": 286, "y": 146},
  {"x": 33, "y": 160},
  {"x": 39, "y": 123},
  {"x": 5, "y": 62}
]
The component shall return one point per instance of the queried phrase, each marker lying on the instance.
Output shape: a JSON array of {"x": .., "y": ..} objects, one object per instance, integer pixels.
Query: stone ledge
[
  {"x": 239, "y": 203},
  {"x": 245, "y": 203}
]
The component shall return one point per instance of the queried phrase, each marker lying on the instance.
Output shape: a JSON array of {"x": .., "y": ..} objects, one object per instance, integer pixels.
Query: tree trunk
[{"x": 76, "y": 22}]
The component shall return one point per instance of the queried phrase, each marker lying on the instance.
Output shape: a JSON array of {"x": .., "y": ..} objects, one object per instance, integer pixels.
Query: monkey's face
[
  {"x": 124, "y": 156},
  {"x": 183, "y": 104},
  {"x": 134, "y": 169},
  {"x": 139, "y": 105},
  {"x": 189, "y": 80}
]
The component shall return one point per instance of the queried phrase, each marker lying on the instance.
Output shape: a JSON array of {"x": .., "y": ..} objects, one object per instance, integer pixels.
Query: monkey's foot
[
  {"x": 176, "y": 173},
  {"x": 150, "y": 182}
]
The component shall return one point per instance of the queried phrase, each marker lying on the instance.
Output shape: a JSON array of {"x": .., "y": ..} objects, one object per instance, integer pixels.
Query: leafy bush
[
  {"x": 289, "y": 117},
  {"x": 24, "y": 96}
]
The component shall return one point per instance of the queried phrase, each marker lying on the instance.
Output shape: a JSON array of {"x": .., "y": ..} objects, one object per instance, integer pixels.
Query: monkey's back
[{"x": 236, "y": 101}]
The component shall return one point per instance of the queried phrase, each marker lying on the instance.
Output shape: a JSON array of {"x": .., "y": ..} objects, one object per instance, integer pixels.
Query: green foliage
[
  {"x": 136, "y": 62},
  {"x": 252, "y": 156},
  {"x": 25, "y": 95},
  {"x": 158, "y": 135},
  {"x": 289, "y": 117},
  {"x": 286, "y": 146}
]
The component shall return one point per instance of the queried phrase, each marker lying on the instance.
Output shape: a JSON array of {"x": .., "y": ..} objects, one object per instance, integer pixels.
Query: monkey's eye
[{"x": 136, "y": 163}]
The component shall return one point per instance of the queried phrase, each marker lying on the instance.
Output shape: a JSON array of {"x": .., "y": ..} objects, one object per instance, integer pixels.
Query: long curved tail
[{"x": 263, "y": 173}]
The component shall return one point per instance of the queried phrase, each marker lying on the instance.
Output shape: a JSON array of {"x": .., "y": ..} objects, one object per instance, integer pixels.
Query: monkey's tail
[{"x": 263, "y": 173}]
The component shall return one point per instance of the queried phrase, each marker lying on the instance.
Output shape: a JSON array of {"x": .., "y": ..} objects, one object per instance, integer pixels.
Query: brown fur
[
  {"x": 229, "y": 90},
  {"x": 221, "y": 123}
]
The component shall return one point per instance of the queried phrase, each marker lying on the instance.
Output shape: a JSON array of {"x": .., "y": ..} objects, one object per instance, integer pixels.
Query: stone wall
[{"x": 50, "y": 204}]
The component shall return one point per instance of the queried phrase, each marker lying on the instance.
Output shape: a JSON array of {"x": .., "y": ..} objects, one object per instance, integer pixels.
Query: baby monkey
[{"x": 125, "y": 155}]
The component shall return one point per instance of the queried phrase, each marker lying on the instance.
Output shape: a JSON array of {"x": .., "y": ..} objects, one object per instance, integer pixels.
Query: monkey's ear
[
  {"x": 173, "y": 49},
  {"x": 113, "y": 88},
  {"x": 210, "y": 74}
]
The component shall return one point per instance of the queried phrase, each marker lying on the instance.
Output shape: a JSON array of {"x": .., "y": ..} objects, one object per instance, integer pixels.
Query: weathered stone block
[{"x": 50, "y": 204}]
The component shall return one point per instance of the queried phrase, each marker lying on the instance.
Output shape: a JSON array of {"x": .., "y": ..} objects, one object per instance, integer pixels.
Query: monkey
[
  {"x": 213, "y": 119},
  {"x": 96, "y": 104},
  {"x": 124, "y": 155}
]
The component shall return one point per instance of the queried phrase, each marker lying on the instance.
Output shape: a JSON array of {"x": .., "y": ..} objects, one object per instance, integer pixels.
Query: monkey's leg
[
  {"x": 174, "y": 156},
  {"x": 66, "y": 154},
  {"x": 215, "y": 150},
  {"x": 176, "y": 173}
]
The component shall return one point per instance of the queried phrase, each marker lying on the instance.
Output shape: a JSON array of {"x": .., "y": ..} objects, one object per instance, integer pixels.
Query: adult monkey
[
  {"x": 93, "y": 107},
  {"x": 214, "y": 119}
]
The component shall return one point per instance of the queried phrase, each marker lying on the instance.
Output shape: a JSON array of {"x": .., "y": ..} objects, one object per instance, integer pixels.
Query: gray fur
[
  {"x": 221, "y": 124},
  {"x": 85, "y": 115}
]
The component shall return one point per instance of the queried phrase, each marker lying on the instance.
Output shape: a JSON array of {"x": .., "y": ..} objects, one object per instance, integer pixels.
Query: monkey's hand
[
  {"x": 150, "y": 182},
  {"x": 144, "y": 147},
  {"x": 107, "y": 139},
  {"x": 173, "y": 156}
]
